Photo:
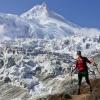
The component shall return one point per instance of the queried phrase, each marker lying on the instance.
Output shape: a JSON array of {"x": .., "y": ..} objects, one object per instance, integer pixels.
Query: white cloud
[
  {"x": 87, "y": 31},
  {"x": 2, "y": 29}
]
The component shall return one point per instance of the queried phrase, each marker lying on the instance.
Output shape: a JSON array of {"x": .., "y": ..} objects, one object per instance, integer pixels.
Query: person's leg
[
  {"x": 88, "y": 81},
  {"x": 79, "y": 81}
]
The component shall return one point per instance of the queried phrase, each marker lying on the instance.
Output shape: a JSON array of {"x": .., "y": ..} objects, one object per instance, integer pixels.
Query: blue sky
[{"x": 85, "y": 13}]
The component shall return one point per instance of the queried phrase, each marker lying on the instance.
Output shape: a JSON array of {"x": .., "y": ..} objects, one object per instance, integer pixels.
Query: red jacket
[{"x": 81, "y": 64}]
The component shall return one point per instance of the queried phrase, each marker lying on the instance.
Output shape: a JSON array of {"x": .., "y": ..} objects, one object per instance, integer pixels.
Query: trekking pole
[
  {"x": 96, "y": 65},
  {"x": 71, "y": 78},
  {"x": 71, "y": 81},
  {"x": 97, "y": 68},
  {"x": 93, "y": 72},
  {"x": 72, "y": 70}
]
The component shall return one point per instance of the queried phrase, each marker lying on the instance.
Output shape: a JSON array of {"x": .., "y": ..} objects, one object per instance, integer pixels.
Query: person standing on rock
[{"x": 81, "y": 66}]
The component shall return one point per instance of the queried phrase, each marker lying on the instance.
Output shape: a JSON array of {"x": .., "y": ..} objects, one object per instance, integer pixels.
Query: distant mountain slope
[
  {"x": 12, "y": 26},
  {"x": 40, "y": 22}
]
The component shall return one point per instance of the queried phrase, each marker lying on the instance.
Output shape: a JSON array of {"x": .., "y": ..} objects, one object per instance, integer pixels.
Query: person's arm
[
  {"x": 94, "y": 63},
  {"x": 91, "y": 62},
  {"x": 88, "y": 61},
  {"x": 75, "y": 66}
]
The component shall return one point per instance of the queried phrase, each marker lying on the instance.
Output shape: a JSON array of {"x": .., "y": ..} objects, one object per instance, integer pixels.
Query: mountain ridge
[{"x": 40, "y": 22}]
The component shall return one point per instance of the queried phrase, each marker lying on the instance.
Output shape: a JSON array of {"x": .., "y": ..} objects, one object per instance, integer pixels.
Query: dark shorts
[{"x": 81, "y": 75}]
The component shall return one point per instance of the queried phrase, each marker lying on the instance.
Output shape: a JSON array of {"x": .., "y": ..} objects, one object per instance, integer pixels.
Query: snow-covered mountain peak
[
  {"x": 38, "y": 11},
  {"x": 42, "y": 7},
  {"x": 40, "y": 22}
]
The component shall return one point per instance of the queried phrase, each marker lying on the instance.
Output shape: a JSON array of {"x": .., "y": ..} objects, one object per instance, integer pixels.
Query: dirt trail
[{"x": 85, "y": 93}]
